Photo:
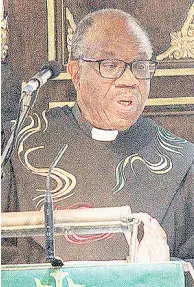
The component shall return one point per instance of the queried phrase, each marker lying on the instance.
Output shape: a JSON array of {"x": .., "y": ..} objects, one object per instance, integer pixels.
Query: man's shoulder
[
  {"x": 177, "y": 148},
  {"x": 60, "y": 118},
  {"x": 171, "y": 137},
  {"x": 166, "y": 134},
  {"x": 51, "y": 114},
  {"x": 59, "y": 112},
  {"x": 168, "y": 154}
]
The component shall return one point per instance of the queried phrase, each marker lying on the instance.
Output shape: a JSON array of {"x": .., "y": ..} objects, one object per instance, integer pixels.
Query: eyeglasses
[{"x": 114, "y": 69}]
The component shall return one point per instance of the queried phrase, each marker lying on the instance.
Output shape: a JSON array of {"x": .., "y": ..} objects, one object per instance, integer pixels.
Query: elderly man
[{"x": 114, "y": 157}]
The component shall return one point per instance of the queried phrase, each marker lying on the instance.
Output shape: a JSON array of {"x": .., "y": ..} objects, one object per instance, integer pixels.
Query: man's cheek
[{"x": 146, "y": 89}]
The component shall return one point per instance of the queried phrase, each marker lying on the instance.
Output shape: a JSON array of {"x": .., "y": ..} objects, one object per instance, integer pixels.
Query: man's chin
[
  {"x": 121, "y": 125},
  {"x": 125, "y": 122},
  {"x": 116, "y": 121}
]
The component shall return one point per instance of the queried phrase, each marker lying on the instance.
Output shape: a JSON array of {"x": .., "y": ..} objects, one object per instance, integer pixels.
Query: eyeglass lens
[{"x": 114, "y": 69}]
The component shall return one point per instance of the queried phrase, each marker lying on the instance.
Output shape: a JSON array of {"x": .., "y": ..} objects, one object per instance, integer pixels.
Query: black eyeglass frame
[{"x": 130, "y": 65}]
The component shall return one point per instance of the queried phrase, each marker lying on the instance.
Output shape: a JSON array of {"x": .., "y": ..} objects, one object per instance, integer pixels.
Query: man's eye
[
  {"x": 142, "y": 67},
  {"x": 110, "y": 65}
]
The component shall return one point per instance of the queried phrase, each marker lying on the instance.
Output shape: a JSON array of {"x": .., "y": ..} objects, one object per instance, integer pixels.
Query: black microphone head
[{"x": 54, "y": 67}]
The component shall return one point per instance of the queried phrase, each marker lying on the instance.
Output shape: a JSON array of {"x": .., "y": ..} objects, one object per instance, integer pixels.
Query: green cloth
[{"x": 94, "y": 274}]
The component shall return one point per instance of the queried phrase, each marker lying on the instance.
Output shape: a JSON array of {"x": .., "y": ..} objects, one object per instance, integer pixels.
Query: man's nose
[{"x": 127, "y": 79}]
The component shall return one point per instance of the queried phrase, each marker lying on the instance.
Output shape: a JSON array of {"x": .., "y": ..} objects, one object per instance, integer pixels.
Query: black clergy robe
[{"x": 145, "y": 167}]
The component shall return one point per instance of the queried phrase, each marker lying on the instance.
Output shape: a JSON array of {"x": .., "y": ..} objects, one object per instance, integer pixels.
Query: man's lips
[{"x": 126, "y": 104}]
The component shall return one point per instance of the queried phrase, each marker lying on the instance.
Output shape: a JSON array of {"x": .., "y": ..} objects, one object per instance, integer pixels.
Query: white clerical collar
[
  {"x": 104, "y": 135},
  {"x": 95, "y": 133}
]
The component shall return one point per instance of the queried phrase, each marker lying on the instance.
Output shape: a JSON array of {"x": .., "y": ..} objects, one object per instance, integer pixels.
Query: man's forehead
[
  {"x": 115, "y": 35},
  {"x": 113, "y": 49},
  {"x": 108, "y": 25}
]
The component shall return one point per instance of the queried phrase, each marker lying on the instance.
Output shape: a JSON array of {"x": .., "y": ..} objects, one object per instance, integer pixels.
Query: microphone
[
  {"x": 48, "y": 213},
  {"x": 49, "y": 71}
]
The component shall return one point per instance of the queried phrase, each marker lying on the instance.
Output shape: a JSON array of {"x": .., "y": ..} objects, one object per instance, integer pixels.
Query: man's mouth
[{"x": 125, "y": 103}]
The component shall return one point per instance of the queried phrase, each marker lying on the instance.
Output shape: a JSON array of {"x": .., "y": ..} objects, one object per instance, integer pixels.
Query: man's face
[{"x": 113, "y": 104}]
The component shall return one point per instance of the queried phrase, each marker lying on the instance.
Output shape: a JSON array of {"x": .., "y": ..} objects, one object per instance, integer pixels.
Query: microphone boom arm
[{"x": 28, "y": 97}]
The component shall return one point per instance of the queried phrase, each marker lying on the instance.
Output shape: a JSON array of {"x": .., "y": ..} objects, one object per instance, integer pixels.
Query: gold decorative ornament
[
  {"x": 4, "y": 36},
  {"x": 182, "y": 42},
  {"x": 71, "y": 26}
]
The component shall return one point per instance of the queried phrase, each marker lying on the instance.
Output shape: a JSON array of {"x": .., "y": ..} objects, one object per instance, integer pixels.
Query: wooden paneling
[
  {"x": 27, "y": 36},
  {"x": 28, "y": 25},
  {"x": 159, "y": 18}
]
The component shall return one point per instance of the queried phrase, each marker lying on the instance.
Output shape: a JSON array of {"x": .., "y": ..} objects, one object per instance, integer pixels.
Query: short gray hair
[{"x": 79, "y": 49}]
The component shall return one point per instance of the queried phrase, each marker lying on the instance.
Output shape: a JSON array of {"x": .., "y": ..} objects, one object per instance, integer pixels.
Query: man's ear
[{"x": 74, "y": 69}]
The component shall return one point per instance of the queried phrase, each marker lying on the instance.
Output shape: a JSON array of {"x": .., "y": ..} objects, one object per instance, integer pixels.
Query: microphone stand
[
  {"x": 27, "y": 101},
  {"x": 48, "y": 213}
]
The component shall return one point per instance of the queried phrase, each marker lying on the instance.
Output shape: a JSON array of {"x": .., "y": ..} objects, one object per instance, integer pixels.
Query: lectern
[{"x": 86, "y": 274}]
